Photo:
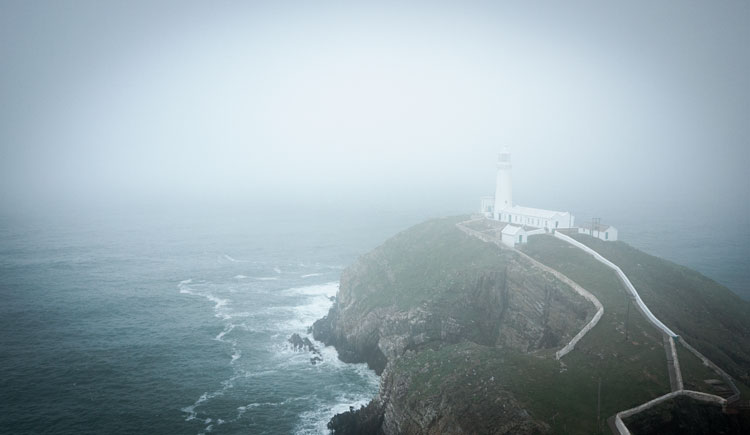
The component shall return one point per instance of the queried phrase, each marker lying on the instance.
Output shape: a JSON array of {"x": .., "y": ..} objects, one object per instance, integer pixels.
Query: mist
[
  {"x": 302, "y": 103},
  {"x": 238, "y": 216}
]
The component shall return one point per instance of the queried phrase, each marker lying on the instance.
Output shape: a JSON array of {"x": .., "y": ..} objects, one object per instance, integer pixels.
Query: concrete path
[{"x": 673, "y": 364}]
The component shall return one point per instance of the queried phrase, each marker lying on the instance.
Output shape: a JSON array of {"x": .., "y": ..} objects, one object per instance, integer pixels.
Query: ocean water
[{"x": 176, "y": 321}]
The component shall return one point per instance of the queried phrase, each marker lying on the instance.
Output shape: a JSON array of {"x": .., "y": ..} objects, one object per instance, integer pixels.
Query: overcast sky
[{"x": 110, "y": 100}]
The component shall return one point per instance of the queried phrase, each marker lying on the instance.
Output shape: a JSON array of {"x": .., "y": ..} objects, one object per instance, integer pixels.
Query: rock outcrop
[{"x": 304, "y": 344}]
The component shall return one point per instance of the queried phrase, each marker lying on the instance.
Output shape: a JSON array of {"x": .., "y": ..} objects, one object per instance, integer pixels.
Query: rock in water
[
  {"x": 305, "y": 344},
  {"x": 296, "y": 341}
]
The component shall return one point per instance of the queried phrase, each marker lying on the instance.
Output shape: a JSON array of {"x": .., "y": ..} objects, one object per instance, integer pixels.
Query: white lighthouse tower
[{"x": 503, "y": 186}]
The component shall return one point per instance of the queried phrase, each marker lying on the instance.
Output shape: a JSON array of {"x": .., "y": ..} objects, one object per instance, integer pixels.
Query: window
[
  {"x": 556, "y": 223},
  {"x": 606, "y": 236},
  {"x": 520, "y": 239}
]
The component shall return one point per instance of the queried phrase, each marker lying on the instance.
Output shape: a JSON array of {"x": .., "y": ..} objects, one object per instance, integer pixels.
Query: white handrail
[{"x": 642, "y": 305}]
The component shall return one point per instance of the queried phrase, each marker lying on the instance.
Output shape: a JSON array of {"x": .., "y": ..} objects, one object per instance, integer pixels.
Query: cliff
[
  {"x": 464, "y": 334},
  {"x": 435, "y": 311}
]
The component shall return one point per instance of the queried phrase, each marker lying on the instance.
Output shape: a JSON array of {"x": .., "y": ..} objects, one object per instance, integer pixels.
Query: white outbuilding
[
  {"x": 513, "y": 235},
  {"x": 604, "y": 232}
]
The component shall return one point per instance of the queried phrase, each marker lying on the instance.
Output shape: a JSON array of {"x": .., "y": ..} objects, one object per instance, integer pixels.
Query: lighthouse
[
  {"x": 501, "y": 208},
  {"x": 503, "y": 187}
]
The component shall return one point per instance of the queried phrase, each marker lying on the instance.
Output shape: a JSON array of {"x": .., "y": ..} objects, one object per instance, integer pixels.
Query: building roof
[
  {"x": 534, "y": 212},
  {"x": 512, "y": 230},
  {"x": 601, "y": 227}
]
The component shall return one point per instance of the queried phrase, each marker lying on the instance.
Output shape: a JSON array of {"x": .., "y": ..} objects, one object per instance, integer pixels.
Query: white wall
[
  {"x": 612, "y": 231},
  {"x": 503, "y": 188},
  {"x": 612, "y": 234},
  {"x": 485, "y": 203}
]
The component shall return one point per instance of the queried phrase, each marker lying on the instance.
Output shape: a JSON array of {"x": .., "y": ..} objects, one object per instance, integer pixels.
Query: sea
[{"x": 176, "y": 321}]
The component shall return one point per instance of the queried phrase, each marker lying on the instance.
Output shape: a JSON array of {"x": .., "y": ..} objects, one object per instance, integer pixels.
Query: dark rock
[
  {"x": 364, "y": 350},
  {"x": 297, "y": 342},
  {"x": 366, "y": 420}
]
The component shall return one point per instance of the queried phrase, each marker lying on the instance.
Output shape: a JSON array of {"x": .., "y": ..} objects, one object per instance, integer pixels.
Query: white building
[
  {"x": 605, "y": 232},
  {"x": 501, "y": 207},
  {"x": 513, "y": 235},
  {"x": 535, "y": 217}
]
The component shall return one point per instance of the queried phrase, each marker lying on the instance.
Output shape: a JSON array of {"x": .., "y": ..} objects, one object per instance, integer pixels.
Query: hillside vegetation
[{"x": 708, "y": 315}]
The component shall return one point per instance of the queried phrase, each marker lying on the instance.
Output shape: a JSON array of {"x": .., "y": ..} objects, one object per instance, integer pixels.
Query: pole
[
  {"x": 599, "y": 406},
  {"x": 627, "y": 318}
]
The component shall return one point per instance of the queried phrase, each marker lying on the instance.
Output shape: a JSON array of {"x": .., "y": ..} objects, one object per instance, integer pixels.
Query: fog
[{"x": 373, "y": 103}]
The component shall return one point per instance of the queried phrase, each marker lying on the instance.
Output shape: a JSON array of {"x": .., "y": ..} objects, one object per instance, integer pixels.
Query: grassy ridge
[{"x": 429, "y": 261}]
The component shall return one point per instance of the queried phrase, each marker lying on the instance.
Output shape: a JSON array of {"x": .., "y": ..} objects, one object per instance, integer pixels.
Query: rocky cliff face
[{"x": 422, "y": 309}]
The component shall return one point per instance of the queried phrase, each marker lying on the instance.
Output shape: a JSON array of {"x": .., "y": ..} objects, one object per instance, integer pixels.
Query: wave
[
  {"x": 316, "y": 303},
  {"x": 316, "y": 420},
  {"x": 308, "y": 275},
  {"x": 219, "y": 303},
  {"x": 327, "y": 289},
  {"x": 234, "y": 260},
  {"x": 283, "y": 312}
]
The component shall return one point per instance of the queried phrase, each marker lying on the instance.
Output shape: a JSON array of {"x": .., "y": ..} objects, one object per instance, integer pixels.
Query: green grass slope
[
  {"x": 426, "y": 262},
  {"x": 632, "y": 370},
  {"x": 710, "y": 317}
]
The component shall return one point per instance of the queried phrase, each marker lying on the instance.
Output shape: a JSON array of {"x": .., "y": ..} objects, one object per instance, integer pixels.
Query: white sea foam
[
  {"x": 240, "y": 277},
  {"x": 266, "y": 278},
  {"x": 236, "y": 355},
  {"x": 327, "y": 289},
  {"x": 220, "y": 304},
  {"x": 241, "y": 410},
  {"x": 221, "y": 310},
  {"x": 190, "y": 410},
  {"x": 234, "y": 260},
  {"x": 307, "y": 304},
  {"x": 316, "y": 304},
  {"x": 229, "y": 328},
  {"x": 308, "y": 275},
  {"x": 316, "y": 421},
  {"x": 277, "y": 270}
]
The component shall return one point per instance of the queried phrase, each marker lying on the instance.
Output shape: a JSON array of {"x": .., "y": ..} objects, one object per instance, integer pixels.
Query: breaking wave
[{"x": 255, "y": 322}]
